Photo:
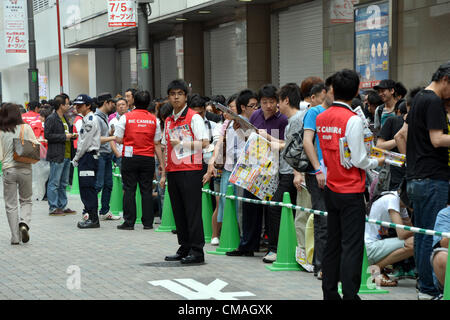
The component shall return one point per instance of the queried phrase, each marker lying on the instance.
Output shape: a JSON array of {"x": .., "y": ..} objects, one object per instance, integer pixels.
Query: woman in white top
[{"x": 16, "y": 175}]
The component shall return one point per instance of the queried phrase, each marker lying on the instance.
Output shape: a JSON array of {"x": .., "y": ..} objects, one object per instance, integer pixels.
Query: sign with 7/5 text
[
  {"x": 121, "y": 13},
  {"x": 14, "y": 24}
]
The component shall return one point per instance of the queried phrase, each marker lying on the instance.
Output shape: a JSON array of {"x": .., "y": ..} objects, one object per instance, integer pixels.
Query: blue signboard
[{"x": 372, "y": 43}]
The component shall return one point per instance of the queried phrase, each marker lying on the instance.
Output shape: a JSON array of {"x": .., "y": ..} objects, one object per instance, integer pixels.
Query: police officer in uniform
[
  {"x": 140, "y": 135},
  {"x": 86, "y": 159}
]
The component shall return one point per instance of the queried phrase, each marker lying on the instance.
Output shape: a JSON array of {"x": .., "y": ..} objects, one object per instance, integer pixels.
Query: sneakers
[
  {"x": 157, "y": 220},
  {"x": 124, "y": 226},
  {"x": 270, "y": 257},
  {"x": 85, "y": 216},
  {"x": 108, "y": 216},
  {"x": 215, "y": 241},
  {"x": 24, "y": 233},
  {"x": 425, "y": 296},
  {"x": 69, "y": 211},
  {"x": 400, "y": 274},
  {"x": 88, "y": 224},
  {"x": 57, "y": 212}
]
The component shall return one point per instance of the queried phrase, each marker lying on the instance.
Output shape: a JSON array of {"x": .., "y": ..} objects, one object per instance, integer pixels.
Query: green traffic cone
[
  {"x": 116, "y": 203},
  {"x": 75, "y": 186},
  {"x": 367, "y": 286},
  {"x": 229, "y": 236},
  {"x": 138, "y": 205},
  {"x": 287, "y": 241},
  {"x": 447, "y": 281},
  {"x": 207, "y": 212},
  {"x": 167, "y": 220}
]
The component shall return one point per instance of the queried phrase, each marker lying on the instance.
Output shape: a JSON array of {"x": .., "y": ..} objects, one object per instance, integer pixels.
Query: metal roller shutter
[
  {"x": 168, "y": 64},
  {"x": 300, "y": 42},
  {"x": 125, "y": 69},
  {"x": 226, "y": 71}
]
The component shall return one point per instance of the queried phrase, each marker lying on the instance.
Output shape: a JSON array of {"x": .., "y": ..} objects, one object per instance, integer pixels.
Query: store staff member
[
  {"x": 86, "y": 159},
  {"x": 344, "y": 191},
  {"x": 185, "y": 136},
  {"x": 140, "y": 135}
]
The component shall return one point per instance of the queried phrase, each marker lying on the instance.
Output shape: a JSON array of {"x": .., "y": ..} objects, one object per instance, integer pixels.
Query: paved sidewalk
[{"x": 64, "y": 262}]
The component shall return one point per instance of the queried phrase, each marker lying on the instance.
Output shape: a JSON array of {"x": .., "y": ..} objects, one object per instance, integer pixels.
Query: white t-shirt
[
  {"x": 380, "y": 211},
  {"x": 235, "y": 145}
]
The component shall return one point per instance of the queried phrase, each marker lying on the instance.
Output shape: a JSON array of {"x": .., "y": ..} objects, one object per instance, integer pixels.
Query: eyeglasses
[
  {"x": 177, "y": 93},
  {"x": 253, "y": 106}
]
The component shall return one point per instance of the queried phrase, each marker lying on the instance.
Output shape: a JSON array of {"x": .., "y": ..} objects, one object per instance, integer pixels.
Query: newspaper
[
  {"x": 244, "y": 123},
  {"x": 257, "y": 168},
  {"x": 182, "y": 133},
  {"x": 345, "y": 153},
  {"x": 361, "y": 114},
  {"x": 392, "y": 158}
]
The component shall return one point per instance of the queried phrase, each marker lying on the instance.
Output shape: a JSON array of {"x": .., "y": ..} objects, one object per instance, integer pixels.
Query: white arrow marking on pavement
[{"x": 202, "y": 292}]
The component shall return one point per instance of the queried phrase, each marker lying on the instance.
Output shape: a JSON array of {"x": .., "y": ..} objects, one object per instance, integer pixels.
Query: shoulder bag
[{"x": 26, "y": 151}]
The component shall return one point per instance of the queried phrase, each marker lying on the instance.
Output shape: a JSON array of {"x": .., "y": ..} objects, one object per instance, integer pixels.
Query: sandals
[{"x": 383, "y": 280}]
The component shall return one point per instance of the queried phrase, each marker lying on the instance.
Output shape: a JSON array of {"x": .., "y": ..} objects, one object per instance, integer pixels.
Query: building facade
[{"x": 223, "y": 46}]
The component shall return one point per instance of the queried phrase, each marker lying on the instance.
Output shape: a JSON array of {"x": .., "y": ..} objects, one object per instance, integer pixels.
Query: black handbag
[{"x": 295, "y": 155}]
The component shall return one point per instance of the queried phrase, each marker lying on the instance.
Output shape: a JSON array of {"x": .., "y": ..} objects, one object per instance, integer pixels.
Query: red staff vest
[
  {"x": 331, "y": 126},
  {"x": 77, "y": 118},
  {"x": 140, "y": 129},
  {"x": 34, "y": 120},
  {"x": 183, "y": 125}
]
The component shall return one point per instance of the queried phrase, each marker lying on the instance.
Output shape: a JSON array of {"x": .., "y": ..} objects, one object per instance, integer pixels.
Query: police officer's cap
[{"x": 83, "y": 99}]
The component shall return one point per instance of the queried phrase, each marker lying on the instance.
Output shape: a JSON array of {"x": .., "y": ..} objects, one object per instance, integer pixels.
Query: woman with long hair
[{"x": 16, "y": 175}]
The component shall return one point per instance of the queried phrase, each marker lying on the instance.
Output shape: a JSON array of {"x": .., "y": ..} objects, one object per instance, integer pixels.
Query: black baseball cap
[
  {"x": 385, "y": 84},
  {"x": 83, "y": 99}
]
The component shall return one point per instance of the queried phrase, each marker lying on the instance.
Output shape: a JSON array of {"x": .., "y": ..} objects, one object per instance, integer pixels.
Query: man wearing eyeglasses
[
  {"x": 185, "y": 136},
  {"x": 269, "y": 119}
]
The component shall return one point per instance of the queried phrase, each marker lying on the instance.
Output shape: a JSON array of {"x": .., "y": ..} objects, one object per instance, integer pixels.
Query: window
[{"x": 40, "y": 5}]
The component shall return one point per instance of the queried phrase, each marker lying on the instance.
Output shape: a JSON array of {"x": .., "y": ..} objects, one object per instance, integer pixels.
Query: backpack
[{"x": 295, "y": 155}]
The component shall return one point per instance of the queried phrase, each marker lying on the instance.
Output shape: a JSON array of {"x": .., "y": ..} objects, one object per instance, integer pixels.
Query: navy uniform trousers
[{"x": 87, "y": 177}]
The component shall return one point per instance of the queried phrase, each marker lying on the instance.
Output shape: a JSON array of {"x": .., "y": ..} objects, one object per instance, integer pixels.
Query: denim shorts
[
  {"x": 435, "y": 280},
  {"x": 380, "y": 249}
]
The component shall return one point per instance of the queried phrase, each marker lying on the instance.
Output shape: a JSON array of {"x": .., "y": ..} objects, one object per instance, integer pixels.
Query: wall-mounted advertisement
[
  {"x": 121, "y": 13},
  {"x": 341, "y": 11},
  {"x": 14, "y": 24},
  {"x": 372, "y": 43}
]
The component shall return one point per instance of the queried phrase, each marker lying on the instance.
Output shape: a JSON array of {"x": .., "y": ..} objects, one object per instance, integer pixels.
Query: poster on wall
[
  {"x": 341, "y": 11},
  {"x": 14, "y": 25},
  {"x": 372, "y": 43},
  {"x": 121, "y": 13}
]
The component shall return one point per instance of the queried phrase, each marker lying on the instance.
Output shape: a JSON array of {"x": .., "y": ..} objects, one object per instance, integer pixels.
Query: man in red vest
[
  {"x": 185, "y": 136},
  {"x": 140, "y": 135},
  {"x": 33, "y": 118},
  {"x": 344, "y": 191}
]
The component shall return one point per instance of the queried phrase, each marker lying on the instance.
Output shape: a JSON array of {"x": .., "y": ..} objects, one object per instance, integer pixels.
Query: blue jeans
[
  {"x": 57, "y": 184},
  {"x": 104, "y": 181},
  {"x": 428, "y": 198},
  {"x": 224, "y": 183}
]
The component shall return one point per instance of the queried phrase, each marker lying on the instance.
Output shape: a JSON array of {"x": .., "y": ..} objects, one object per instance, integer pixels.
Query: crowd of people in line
[{"x": 185, "y": 140}]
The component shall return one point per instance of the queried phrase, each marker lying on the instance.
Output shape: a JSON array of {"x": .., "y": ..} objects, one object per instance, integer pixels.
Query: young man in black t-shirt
[
  {"x": 389, "y": 130},
  {"x": 425, "y": 136}
]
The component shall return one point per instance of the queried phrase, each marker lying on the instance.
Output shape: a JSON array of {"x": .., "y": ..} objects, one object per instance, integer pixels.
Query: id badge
[{"x": 129, "y": 151}]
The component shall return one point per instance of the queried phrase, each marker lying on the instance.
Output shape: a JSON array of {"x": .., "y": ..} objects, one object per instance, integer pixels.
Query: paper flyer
[
  {"x": 244, "y": 123},
  {"x": 257, "y": 168},
  {"x": 182, "y": 133}
]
